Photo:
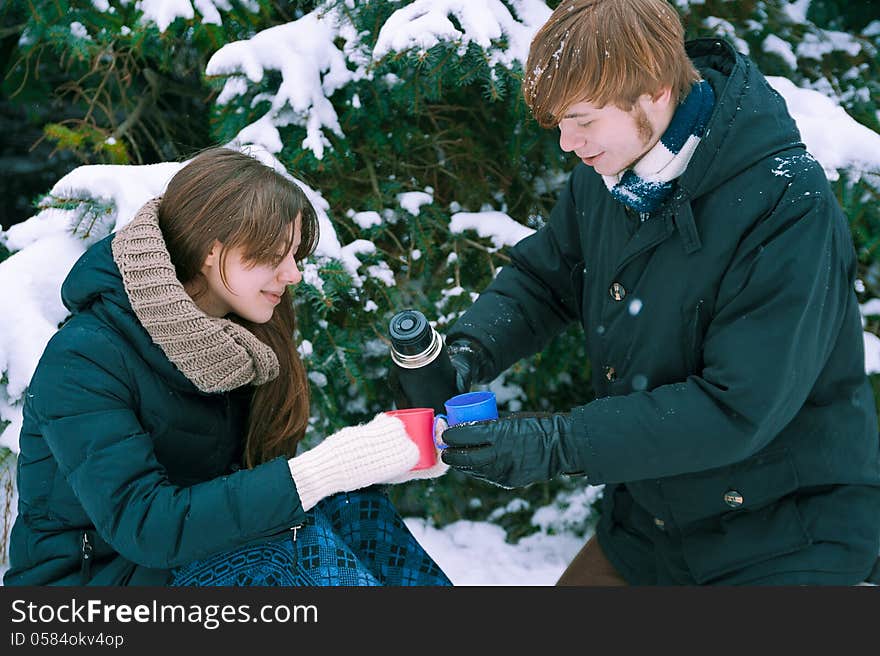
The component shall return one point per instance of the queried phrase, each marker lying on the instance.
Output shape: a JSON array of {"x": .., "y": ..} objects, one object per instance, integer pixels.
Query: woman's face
[{"x": 252, "y": 290}]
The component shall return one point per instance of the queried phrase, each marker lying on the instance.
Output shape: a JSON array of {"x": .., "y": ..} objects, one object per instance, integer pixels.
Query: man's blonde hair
[{"x": 605, "y": 52}]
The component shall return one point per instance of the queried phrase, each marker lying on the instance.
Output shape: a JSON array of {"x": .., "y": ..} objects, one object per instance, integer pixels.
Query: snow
[
  {"x": 475, "y": 553},
  {"x": 425, "y": 23},
  {"x": 79, "y": 30},
  {"x": 816, "y": 46},
  {"x": 497, "y": 226},
  {"x": 317, "y": 55},
  {"x": 774, "y": 44},
  {"x": 726, "y": 30},
  {"x": 366, "y": 219},
  {"x": 382, "y": 272},
  {"x": 412, "y": 201},
  {"x": 349, "y": 253},
  {"x": 312, "y": 68},
  {"x": 871, "y": 308},
  {"x": 164, "y": 12},
  {"x": 872, "y": 352},
  {"x": 797, "y": 10},
  {"x": 831, "y": 135}
]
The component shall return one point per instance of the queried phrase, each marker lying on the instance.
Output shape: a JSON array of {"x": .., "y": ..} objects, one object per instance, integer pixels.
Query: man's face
[{"x": 610, "y": 139}]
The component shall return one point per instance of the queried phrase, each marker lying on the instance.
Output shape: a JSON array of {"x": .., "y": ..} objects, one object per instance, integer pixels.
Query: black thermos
[{"x": 423, "y": 376}]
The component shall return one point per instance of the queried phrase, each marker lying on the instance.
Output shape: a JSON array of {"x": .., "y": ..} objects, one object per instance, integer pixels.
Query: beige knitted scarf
[{"x": 216, "y": 354}]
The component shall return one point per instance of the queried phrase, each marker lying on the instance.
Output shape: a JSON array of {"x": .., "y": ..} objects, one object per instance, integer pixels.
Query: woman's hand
[
  {"x": 353, "y": 458},
  {"x": 430, "y": 472}
]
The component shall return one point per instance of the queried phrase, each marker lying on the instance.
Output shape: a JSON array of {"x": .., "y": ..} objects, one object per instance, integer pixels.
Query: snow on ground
[{"x": 475, "y": 553}]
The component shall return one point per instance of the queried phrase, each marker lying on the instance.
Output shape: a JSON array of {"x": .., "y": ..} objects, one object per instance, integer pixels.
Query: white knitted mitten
[
  {"x": 352, "y": 458},
  {"x": 431, "y": 472}
]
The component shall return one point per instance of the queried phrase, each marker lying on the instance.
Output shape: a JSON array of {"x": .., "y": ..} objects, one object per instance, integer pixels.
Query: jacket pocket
[
  {"x": 745, "y": 538},
  {"x": 748, "y": 485},
  {"x": 739, "y": 515},
  {"x": 578, "y": 273},
  {"x": 692, "y": 337}
]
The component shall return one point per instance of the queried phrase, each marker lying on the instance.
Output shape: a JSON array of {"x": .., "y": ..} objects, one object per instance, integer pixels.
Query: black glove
[
  {"x": 514, "y": 451},
  {"x": 471, "y": 361}
]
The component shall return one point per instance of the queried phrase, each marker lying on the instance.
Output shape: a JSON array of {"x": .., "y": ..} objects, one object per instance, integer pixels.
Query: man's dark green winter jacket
[
  {"x": 126, "y": 469},
  {"x": 734, "y": 426}
]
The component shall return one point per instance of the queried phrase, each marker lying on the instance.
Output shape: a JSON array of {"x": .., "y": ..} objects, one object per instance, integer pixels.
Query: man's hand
[
  {"x": 471, "y": 363},
  {"x": 514, "y": 451}
]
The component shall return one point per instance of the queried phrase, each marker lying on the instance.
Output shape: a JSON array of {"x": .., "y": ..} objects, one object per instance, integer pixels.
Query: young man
[{"x": 702, "y": 250}]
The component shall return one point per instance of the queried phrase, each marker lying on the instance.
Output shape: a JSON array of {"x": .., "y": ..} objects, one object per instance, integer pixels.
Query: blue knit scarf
[{"x": 647, "y": 184}]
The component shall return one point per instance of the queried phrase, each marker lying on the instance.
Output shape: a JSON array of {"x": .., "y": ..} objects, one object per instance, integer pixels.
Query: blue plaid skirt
[{"x": 348, "y": 539}]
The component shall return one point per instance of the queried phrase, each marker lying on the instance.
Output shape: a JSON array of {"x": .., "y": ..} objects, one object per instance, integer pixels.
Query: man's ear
[{"x": 663, "y": 96}]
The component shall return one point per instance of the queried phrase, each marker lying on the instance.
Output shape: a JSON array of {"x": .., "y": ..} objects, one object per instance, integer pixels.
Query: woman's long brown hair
[{"x": 231, "y": 197}]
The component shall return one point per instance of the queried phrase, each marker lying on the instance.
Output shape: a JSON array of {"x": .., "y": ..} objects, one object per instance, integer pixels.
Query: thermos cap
[{"x": 410, "y": 332}]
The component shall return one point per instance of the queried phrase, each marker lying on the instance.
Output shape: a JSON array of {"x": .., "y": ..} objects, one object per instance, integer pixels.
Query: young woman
[{"x": 161, "y": 424}]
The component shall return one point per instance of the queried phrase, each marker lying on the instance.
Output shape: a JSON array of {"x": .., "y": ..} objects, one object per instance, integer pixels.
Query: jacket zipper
[
  {"x": 294, "y": 529},
  {"x": 85, "y": 568}
]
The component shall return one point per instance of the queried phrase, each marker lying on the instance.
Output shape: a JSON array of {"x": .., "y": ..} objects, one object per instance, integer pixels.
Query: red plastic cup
[{"x": 419, "y": 425}]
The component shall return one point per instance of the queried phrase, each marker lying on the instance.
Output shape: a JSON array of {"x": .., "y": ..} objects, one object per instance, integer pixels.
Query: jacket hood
[
  {"x": 95, "y": 285},
  {"x": 750, "y": 121},
  {"x": 93, "y": 277}
]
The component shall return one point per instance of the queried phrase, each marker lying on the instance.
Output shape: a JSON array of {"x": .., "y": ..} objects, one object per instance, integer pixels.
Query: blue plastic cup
[{"x": 471, "y": 406}]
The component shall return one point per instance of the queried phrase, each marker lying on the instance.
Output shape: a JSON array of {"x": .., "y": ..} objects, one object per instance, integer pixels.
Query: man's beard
[{"x": 645, "y": 132}]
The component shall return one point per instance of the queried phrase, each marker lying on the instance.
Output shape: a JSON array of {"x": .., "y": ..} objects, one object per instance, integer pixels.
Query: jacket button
[
  {"x": 659, "y": 523},
  {"x": 610, "y": 374},
  {"x": 617, "y": 291},
  {"x": 733, "y": 499}
]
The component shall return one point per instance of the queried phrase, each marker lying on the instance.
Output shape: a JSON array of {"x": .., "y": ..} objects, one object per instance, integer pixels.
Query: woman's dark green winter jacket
[
  {"x": 734, "y": 428},
  {"x": 126, "y": 469}
]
